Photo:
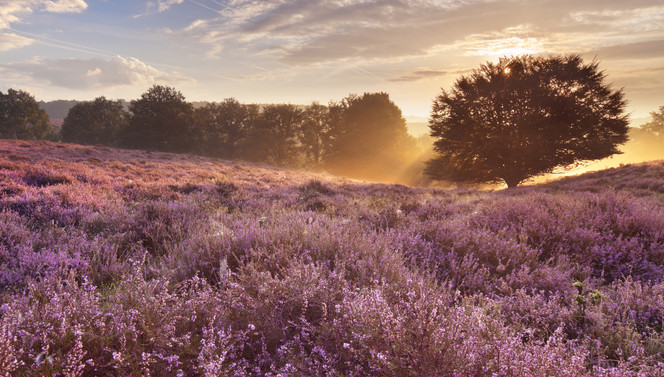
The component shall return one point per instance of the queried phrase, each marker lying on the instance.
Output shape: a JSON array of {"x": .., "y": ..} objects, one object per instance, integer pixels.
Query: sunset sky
[{"x": 299, "y": 51}]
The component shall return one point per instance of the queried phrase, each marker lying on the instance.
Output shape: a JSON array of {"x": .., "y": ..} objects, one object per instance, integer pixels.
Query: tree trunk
[{"x": 512, "y": 182}]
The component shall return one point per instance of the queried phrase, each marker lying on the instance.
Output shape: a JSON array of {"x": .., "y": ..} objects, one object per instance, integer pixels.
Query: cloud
[
  {"x": 93, "y": 74},
  {"x": 65, "y": 6},
  {"x": 418, "y": 75},
  {"x": 158, "y": 6},
  {"x": 267, "y": 75},
  {"x": 9, "y": 41},
  {"x": 639, "y": 50},
  {"x": 11, "y": 11},
  {"x": 640, "y": 19},
  {"x": 164, "y": 5},
  {"x": 14, "y": 11},
  {"x": 305, "y": 32}
]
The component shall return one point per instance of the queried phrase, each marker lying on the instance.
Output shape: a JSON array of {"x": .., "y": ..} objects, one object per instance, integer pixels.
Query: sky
[{"x": 299, "y": 51}]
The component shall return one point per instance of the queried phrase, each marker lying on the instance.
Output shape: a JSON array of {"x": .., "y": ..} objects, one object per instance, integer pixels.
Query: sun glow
[{"x": 506, "y": 47}]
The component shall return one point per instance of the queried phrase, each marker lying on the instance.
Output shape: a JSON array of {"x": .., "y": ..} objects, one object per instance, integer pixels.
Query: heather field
[{"x": 130, "y": 263}]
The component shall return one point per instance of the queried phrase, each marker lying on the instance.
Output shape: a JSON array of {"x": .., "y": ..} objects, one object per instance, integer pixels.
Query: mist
[{"x": 642, "y": 146}]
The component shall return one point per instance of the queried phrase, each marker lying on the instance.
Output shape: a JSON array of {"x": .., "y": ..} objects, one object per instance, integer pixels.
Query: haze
[{"x": 301, "y": 51}]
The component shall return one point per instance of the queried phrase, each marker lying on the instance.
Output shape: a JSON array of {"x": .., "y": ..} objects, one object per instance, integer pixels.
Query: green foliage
[
  {"x": 21, "y": 117},
  {"x": 314, "y": 133},
  {"x": 583, "y": 298},
  {"x": 525, "y": 116},
  {"x": 160, "y": 120},
  {"x": 273, "y": 137},
  {"x": 95, "y": 122},
  {"x": 224, "y": 127}
]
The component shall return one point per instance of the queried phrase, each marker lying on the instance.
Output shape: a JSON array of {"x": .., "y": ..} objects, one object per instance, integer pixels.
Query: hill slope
[
  {"x": 642, "y": 179},
  {"x": 126, "y": 263}
]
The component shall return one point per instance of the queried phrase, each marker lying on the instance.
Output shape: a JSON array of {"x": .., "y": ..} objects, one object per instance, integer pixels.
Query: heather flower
[{"x": 122, "y": 263}]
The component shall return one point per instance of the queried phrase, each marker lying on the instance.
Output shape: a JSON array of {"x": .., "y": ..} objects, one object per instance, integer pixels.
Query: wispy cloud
[
  {"x": 636, "y": 20},
  {"x": 13, "y": 11},
  {"x": 418, "y": 75},
  {"x": 301, "y": 32},
  {"x": 10, "y": 41},
  {"x": 93, "y": 74},
  {"x": 153, "y": 7},
  {"x": 638, "y": 50},
  {"x": 65, "y": 6}
]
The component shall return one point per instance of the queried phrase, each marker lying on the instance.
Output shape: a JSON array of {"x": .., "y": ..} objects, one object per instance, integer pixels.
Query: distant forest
[
  {"x": 57, "y": 110},
  {"x": 363, "y": 137}
]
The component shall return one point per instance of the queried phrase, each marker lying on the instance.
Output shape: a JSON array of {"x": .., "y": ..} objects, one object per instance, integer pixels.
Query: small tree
[
  {"x": 95, "y": 122},
  {"x": 21, "y": 117},
  {"x": 525, "y": 116},
  {"x": 160, "y": 120}
]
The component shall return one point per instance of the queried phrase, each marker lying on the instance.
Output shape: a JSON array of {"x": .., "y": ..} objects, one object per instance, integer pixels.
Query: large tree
[
  {"x": 525, "y": 116},
  {"x": 94, "y": 122},
  {"x": 368, "y": 137},
  {"x": 160, "y": 120},
  {"x": 21, "y": 117}
]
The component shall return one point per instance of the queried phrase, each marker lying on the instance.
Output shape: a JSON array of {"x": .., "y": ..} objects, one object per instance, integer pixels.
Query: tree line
[
  {"x": 503, "y": 123},
  {"x": 359, "y": 136}
]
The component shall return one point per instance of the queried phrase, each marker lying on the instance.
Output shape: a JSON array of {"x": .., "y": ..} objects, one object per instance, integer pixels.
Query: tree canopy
[
  {"x": 525, "y": 116},
  {"x": 224, "y": 127},
  {"x": 21, "y": 117},
  {"x": 656, "y": 125},
  {"x": 160, "y": 120},
  {"x": 360, "y": 136},
  {"x": 368, "y": 136},
  {"x": 273, "y": 137},
  {"x": 314, "y": 133},
  {"x": 94, "y": 122}
]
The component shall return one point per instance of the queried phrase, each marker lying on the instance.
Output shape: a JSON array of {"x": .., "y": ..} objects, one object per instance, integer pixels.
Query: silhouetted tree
[
  {"x": 525, "y": 116},
  {"x": 160, "y": 120},
  {"x": 273, "y": 137},
  {"x": 314, "y": 133},
  {"x": 656, "y": 125},
  {"x": 646, "y": 142},
  {"x": 369, "y": 138},
  {"x": 94, "y": 122},
  {"x": 21, "y": 117},
  {"x": 224, "y": 127}
]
